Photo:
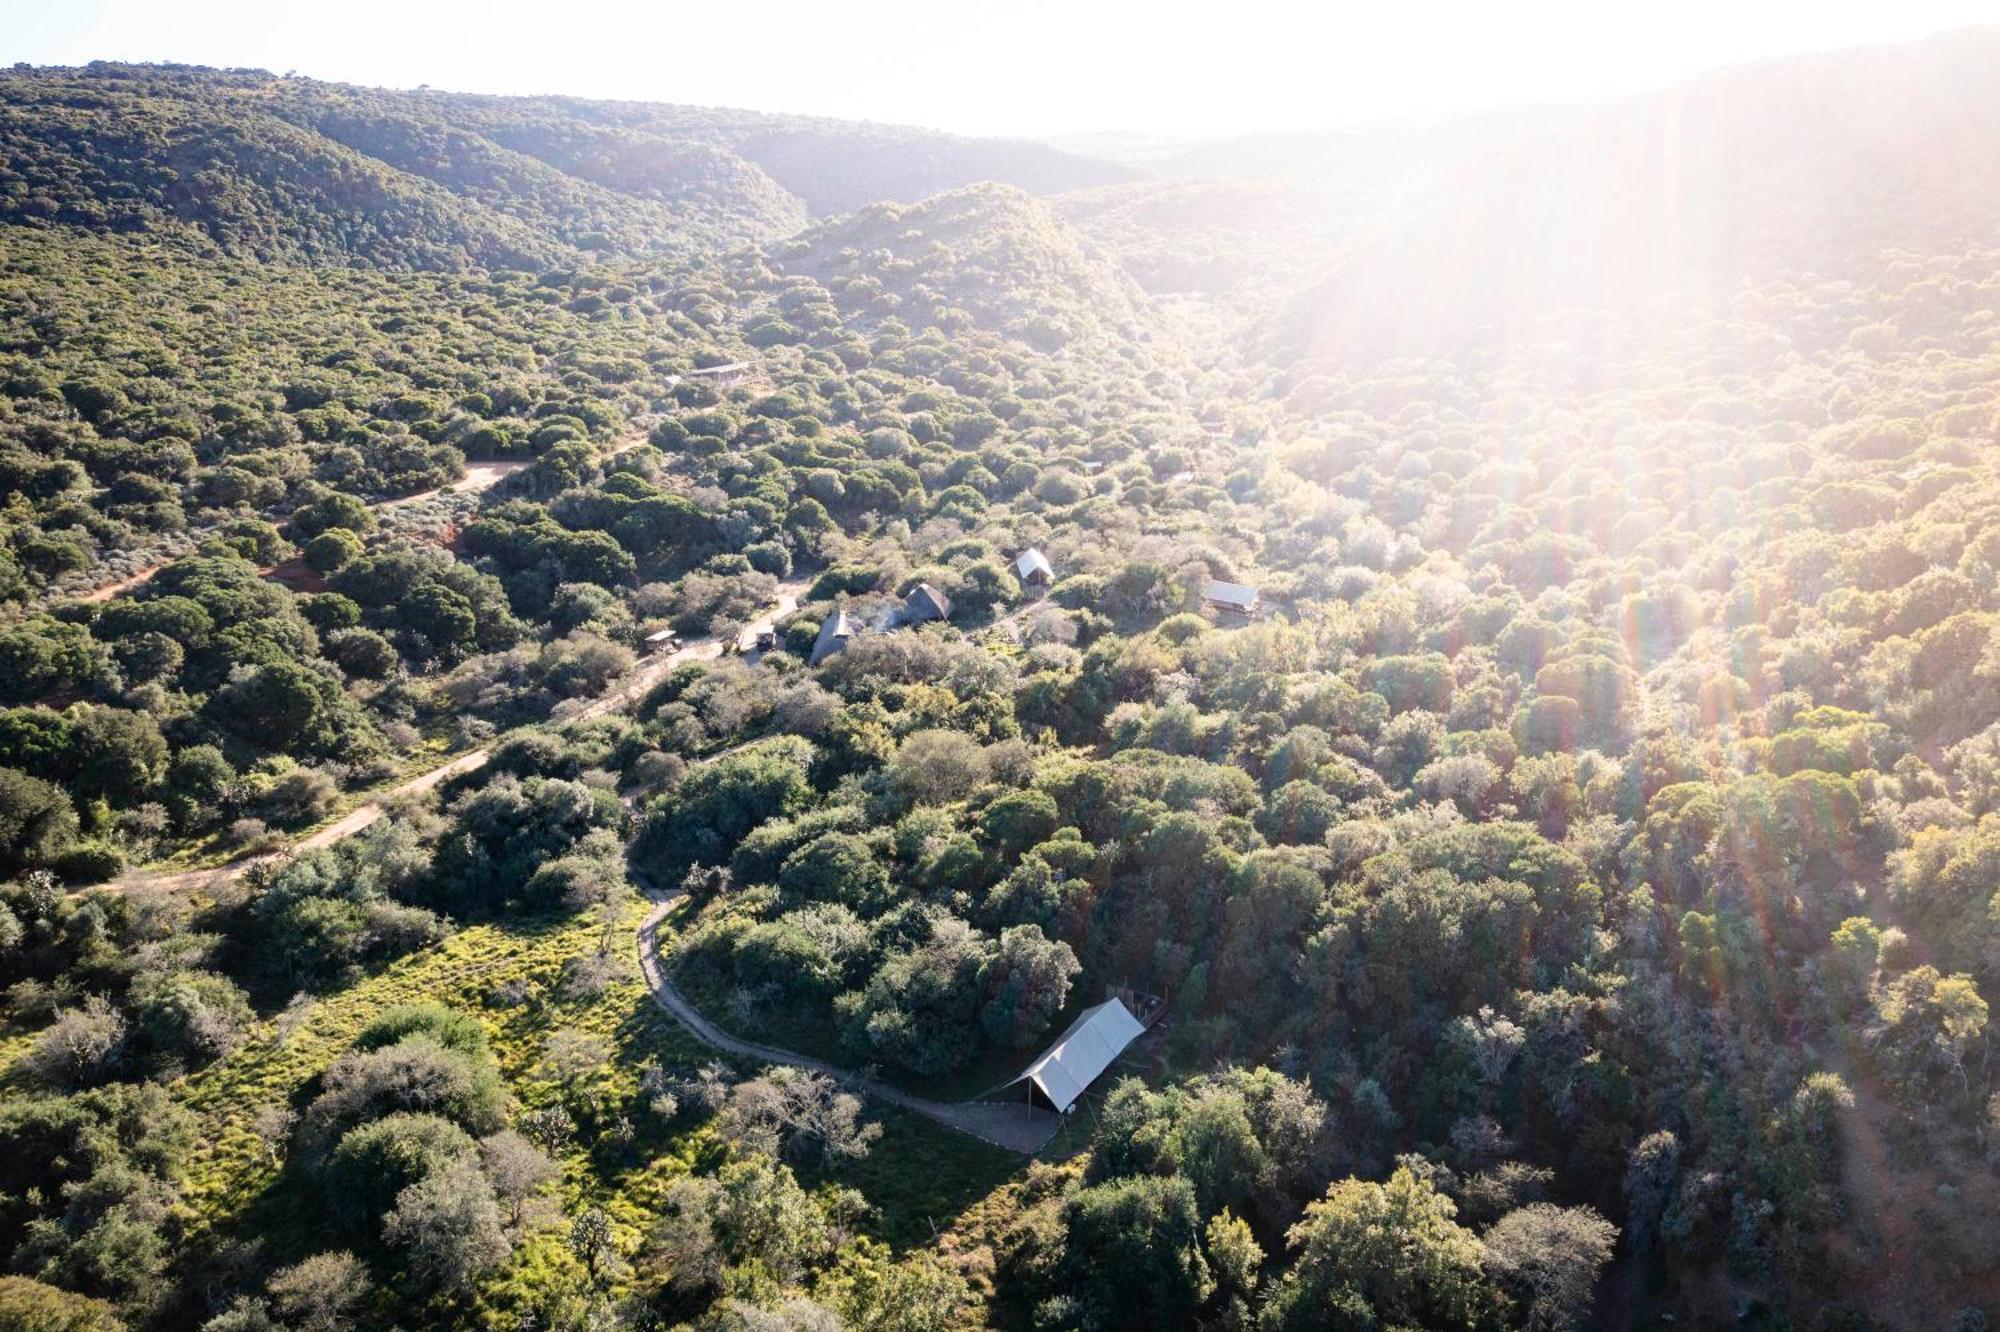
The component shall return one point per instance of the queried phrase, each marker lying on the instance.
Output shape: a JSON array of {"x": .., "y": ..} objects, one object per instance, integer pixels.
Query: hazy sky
[{"x": 1024, "y": 66}]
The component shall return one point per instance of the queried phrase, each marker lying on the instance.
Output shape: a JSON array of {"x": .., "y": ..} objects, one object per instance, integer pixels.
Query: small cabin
[
  {"x": 724, "y": 376},
  {"x": 664, "y": 641},
  {"x": 1033, "y": 568},
  {"x": 1231, "y": 598},
  {"x": 834, "y": 632},
  {"x": 924, "y": 604}
]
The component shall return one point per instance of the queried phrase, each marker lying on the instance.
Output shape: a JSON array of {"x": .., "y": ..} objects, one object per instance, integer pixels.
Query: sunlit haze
[
  {"x": 1022, "y": 68},
  {"x": 905, "y": 666}
]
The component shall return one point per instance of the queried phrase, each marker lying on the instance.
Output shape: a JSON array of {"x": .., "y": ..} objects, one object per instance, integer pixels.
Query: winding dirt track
[
  {"x": 644, "y": 676},
  {"x": 478, "y": 476},
  {"x": 1012, "y": 1125}
]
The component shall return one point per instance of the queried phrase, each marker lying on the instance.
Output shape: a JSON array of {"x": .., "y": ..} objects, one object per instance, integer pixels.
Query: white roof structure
[
  {"x": 1033, "y": 564},
  {"x": 1235, "y": 596},
  {"x": 664, "y": 636},
  {"x": 1093, "y": 1042}
]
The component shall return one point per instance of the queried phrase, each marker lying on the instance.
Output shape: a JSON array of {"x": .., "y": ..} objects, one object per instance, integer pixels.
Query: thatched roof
[
  {"x": 926, "y": 603},
  {"x": 834, "y": 632}
]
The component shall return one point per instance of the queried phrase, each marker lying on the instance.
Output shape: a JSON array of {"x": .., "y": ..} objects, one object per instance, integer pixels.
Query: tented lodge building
[{"x": 1079, "y": 1056}]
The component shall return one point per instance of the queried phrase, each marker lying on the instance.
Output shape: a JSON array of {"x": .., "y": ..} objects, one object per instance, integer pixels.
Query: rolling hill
[{"x": 251, "y": 165}]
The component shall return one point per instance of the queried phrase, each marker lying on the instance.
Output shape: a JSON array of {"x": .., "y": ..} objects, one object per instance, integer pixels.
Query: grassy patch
[
  {"x": 919, "y": 1180},
  {"x": 920, "y": 1177},
  {"x": 231, "y": 1165}
]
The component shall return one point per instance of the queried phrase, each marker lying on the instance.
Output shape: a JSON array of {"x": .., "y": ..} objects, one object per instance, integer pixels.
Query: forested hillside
[
  {"x": 289, "y": 169},
  {"x": 469, "y": 541}
]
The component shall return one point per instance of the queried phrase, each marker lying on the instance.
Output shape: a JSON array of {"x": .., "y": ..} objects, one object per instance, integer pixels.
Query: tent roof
[
  {"x": 1230, "y": 594},
  {"x": 1096, "y": 1039},
  {"x": 1032, "y": 561}
]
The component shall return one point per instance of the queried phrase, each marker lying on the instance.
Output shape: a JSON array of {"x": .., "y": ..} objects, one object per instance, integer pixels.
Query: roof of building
[
  {"x": 664, "y": 636},
  {"x": 926, "y": 603},
  {"x": 729, "y": 369},
  {"x": 834, "y": 632},
  {"x": 1230, "y": 594},
  {"x": 1092, "y": 1044},
  {"x": 1030, "y": 562}
]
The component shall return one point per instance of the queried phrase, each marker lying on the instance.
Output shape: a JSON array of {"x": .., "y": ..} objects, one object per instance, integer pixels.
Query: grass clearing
[{"x": 919, "y": 1179}]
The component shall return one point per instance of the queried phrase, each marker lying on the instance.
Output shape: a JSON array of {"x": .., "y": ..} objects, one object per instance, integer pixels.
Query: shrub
[
  {"x": 27, "y": 1305},
  {"x": 447, "y": 1026},
  {"x": 375, "y": 1162},
  {"x": 92, "y": 862}
]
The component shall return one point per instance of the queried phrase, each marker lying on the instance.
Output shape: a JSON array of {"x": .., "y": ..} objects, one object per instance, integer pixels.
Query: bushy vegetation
[
  {"x": 1570, "y": 895},
  {"x": 290, "y": 169}
]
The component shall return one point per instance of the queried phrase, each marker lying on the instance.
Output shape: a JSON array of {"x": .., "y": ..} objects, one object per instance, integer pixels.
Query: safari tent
[{"x": 1067, "y": 1068}]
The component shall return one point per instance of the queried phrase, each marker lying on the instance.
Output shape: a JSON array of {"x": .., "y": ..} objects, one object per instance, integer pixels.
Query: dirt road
[
  {"x": 1013, "y": 1125},
  {"x": 105, "y": 591},
  {"x": 478, "y": 476},
  {"x": 643, "y": 677}
]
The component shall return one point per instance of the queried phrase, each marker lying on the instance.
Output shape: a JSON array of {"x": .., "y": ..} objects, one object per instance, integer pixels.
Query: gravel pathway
[
  {"x": 1013, "y": 1125},
  {"x": 649, "y": 672}
]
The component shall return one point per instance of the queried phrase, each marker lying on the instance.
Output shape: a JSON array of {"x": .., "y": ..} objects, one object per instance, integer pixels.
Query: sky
[{"x": 986, "y": 67}]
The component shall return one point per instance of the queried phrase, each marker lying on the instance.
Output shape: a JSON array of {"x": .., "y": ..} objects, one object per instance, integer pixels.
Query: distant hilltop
[{"x": 256, "y": 165}]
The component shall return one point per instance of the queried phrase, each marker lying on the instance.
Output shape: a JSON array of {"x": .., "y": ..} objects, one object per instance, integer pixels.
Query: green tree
[
  {"x": 1027, "y": 983},
  {"x": 1549, "y": 1257},
  {"x": 276, "y": 704},
  {"x": 335, "y": 510},
  {"x": 837, "y": 867},
  {"x": 37, "y": 822},
  {"x": 332, "y": 550},
  {"x": 1132, "y": 1254},
  {"x": 1389, "y": 1251},
  {"x": 1926, "y": 1026},
  {"x": 374, "y": 1163},
  {"x": 448, "y": 1226},
  {"x": 321, "y": 1293},
  {"x": 936, "y": 767}
]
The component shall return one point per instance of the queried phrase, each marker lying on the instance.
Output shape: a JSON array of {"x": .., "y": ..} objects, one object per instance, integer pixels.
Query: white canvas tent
[
  {"x": 1034, "y": 567},
  {"x": 1234, "y": 597},
  {"x": 1092, "y": 1044}
]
